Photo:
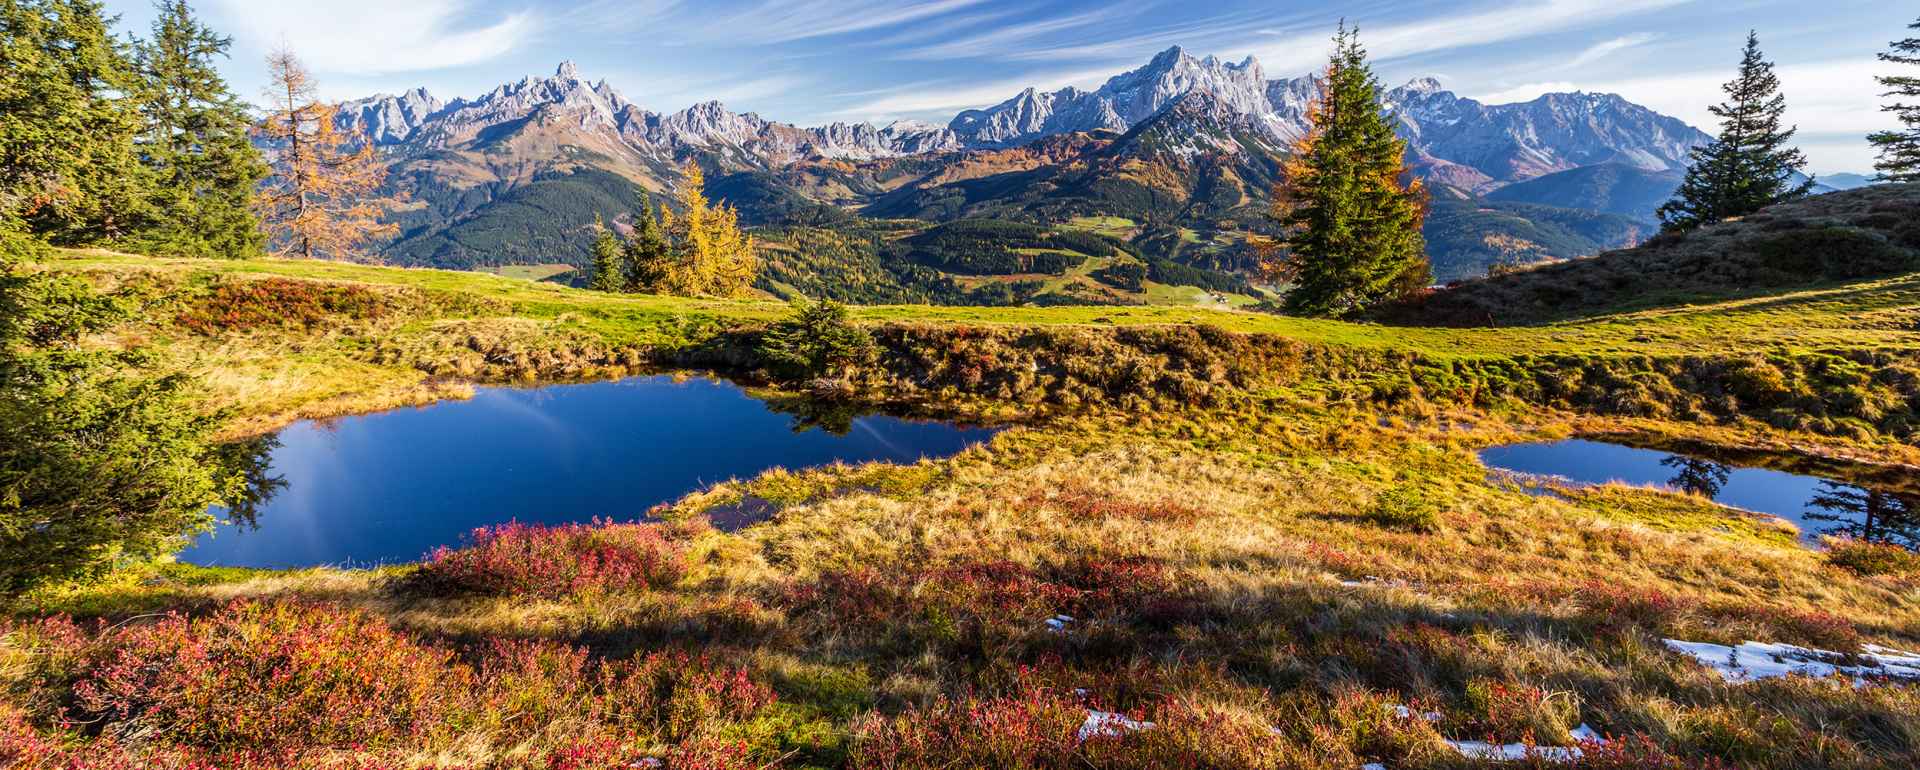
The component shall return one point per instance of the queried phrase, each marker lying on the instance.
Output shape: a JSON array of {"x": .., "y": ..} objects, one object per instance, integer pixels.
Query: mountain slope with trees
[
  {"x": 1843, "y": 236},
  {"x": 1184, "y": 145}
]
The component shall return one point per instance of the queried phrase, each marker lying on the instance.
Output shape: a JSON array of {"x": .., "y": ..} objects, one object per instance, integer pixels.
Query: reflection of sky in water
[
  {"x": 1782, "y": 494},
  {"x": 389, "y": 487}
]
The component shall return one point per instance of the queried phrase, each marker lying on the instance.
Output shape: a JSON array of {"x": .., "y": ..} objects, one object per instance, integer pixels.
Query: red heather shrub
[
  {"x": 280, "y": 303},
  {"x": 1868, "y": 559},
  {"x": 612, "y": 754},
  {"x": 1036, "y": 728},
  {"x": 1636, "y": 752},
  {"x": 671, "y": 695},
  {"x": 1000, "y": 590},
  {"x": 1335, "y": 560},
  {"x": 1187, "y": 735},
  {"x": 1093, "y": 505},
  {"x": 1505, "y": 712},
  {"x": 262, "y": 677},
  {"x": 1039, "y": 727},
  {"x": 1618, "y": 606},
  {"x": 558, "y": 561},
  {"x": 1779, "y": 624},
  {"x": 1128, "y": 585},
  {"x": 976, "y": 595},
  {"x": 530, "y": 683},
  {"x": 676, "y": 695}
]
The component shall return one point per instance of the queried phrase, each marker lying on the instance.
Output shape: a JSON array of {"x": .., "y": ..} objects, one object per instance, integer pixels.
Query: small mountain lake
[
  {"x": 389, "y": 487},
  {"x": 1820, "y": 497}
]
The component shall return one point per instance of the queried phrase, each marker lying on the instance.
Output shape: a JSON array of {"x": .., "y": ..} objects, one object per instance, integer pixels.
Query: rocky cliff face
[
  {"x": 1122, "y": 102},
  {"x": 596, "y": 110},
  {"x": 387, "y": 119},
  {"x": 1456, "y": 140}
]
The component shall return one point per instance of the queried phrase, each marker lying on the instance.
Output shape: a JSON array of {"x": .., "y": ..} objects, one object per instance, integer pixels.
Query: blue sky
[{"x": 815, "y": 61}]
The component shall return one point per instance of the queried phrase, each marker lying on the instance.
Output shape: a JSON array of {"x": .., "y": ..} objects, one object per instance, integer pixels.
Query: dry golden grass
[{"x": 1292, "y": 593}]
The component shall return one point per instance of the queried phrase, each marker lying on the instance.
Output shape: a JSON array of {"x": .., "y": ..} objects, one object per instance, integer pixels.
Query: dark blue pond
[
  {"x": 390, "y": 487},
  {"x": 1818, "y": 505}
]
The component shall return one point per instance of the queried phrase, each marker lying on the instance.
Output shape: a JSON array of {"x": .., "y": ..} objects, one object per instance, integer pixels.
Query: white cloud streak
[
  {"x": 782, "y": 21},
  {"x": 1003, "y": 39},
  {"x": 945, "y": 98},
  {"x": 1606, "y": 48},
  {"x": 374, "y": 37},
  {"x": 1455, "y": 30}
]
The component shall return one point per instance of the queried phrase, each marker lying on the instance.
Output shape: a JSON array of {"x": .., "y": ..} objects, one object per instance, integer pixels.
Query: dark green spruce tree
[
  {"x": 1900, "y": 149},
  {"x": 100, "y": 463},
  {"x": 607, "y": 256},
  {"x": 1351, "y": 210},
  {"x": 647, "y": 252},
  {"x": 1750, "y": 166},
  {"x": 69, "y": 171},
  {"x": 196, "y": 143}
]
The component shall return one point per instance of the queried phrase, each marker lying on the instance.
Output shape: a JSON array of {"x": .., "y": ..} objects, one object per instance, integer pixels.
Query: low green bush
[{"x": 1404, "y": 508}]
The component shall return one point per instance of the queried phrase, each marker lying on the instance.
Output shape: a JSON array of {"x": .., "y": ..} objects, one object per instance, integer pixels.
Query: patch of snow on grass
[
  {"x": 1518, "y": 752},
  {"x": 1107, "y": 724},
  {"x": 1058, "y": 623},
  {"x": 1514, "y": 752},
  {"x": 1406, "y": 713},
  {"x": 1760, "y": 660}
]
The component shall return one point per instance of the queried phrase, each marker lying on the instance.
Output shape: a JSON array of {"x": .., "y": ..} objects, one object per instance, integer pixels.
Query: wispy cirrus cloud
[
  {"x": 934, "y": 30},
  {"x": 373, "y": 37},
  {"x": 1606, "y": 48},
  {"x": 1202, "y": 34},
  {"x": 1008, "y": 38},
  {"x": 783, "y": 21},
  {"x": 1451, "y": 31},
  {"x": 941, "y": 98},
  {"x": 731, "y": 92}
]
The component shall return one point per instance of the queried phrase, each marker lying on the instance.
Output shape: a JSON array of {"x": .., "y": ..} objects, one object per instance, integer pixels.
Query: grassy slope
[
  {"x": 519, "y": 327},
  {"x": 1864, "y": 314},
  {"x": 1516, "y": 615}
]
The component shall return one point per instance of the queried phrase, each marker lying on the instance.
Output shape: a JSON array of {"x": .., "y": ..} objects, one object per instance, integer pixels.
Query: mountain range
[{"x": 1184, "y": 147}]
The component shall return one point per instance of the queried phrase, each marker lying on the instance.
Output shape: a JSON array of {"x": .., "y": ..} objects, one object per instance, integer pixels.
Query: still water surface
[
  {"x": 1818, "y": 506},
  {"x": 389, "y": 487}
]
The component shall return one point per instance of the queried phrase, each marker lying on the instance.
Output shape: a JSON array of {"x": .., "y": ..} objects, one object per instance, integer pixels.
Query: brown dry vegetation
[
  {"x": 1217, "y": 567},
  {"x": 1869, "y": 232},
  {"x": 1268, "y": 533}
]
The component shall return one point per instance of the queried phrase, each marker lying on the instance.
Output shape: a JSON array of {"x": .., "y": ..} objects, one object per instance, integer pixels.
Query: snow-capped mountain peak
[{"x": 1487, "y": 145}]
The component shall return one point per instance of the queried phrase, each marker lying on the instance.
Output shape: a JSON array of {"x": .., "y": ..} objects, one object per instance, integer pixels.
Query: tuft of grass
[
  {"x": 1404, "y": 507},
  {"x": 1871, "y": 559}
]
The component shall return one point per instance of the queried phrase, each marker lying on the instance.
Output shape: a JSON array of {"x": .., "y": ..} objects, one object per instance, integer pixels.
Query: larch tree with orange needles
[
  {"x": 703, "y": 251},
  {"x": 320, "y": 200},
  {"x": 1351, "y": 210}
]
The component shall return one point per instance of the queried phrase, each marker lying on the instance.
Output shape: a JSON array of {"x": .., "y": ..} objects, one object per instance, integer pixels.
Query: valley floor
[{"x": 1278, "y": 551}]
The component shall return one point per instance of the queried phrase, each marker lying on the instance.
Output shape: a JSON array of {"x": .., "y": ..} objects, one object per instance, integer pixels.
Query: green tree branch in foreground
[{"x": 99, "y": 463}]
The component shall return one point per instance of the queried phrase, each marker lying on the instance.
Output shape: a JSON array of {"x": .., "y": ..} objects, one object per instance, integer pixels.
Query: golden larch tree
[
  {"x": 708, "y": 254},
  {"x": 320, "y": 200}
]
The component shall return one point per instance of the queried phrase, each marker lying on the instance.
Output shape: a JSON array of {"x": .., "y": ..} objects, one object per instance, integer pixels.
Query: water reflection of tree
[
  {"x": 252, "y": 459},
  {"x": 1866, "y": 514},
  {"x": 1701, "y": 477},
  {"x": 835, "y": 417}
]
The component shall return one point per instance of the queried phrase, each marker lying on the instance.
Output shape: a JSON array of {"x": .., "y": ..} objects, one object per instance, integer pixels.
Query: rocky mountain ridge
[
  {"x": 1455, "y": 140},
  {"x": 418, "y": 120},
  {"x": 1183, "y": 145}
]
